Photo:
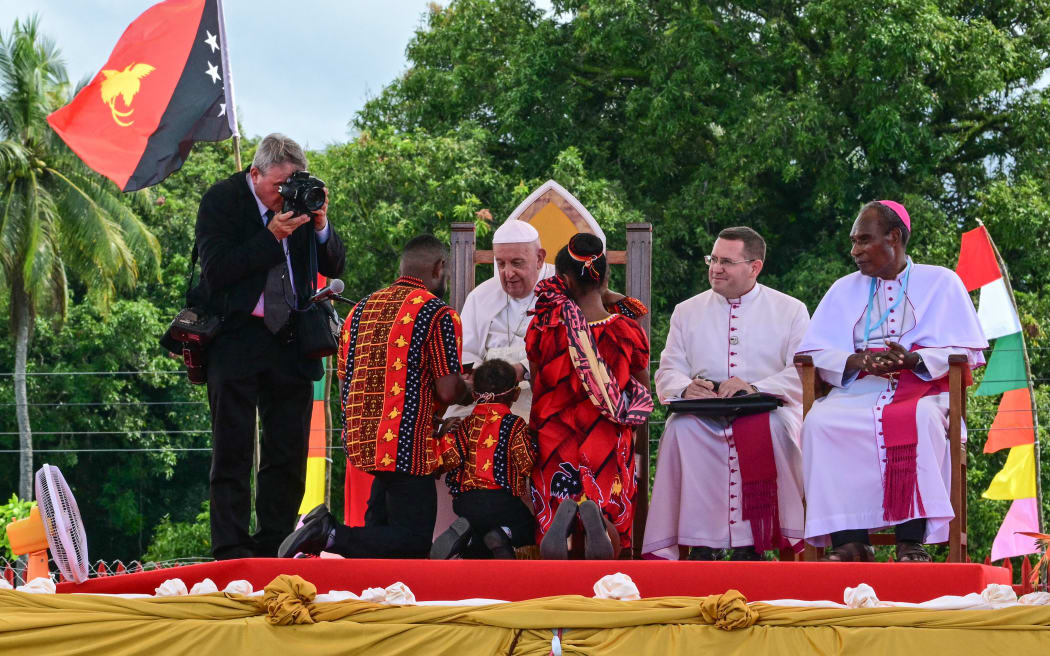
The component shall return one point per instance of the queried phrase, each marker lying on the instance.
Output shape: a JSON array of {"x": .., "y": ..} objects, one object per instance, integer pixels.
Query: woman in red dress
[{"x": 590, "y": 379}]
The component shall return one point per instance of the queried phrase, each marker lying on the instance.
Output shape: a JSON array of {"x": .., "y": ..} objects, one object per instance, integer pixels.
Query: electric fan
[{"x": 53, "y": 523}]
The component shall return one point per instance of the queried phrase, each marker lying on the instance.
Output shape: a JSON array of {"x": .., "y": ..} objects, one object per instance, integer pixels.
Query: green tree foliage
[
  {"x": 14, "y": 509},
  {"x": 180, "y": 539}
]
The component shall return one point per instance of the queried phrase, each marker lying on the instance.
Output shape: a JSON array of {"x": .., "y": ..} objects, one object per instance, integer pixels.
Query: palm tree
[{"x": 56, "y": 216}]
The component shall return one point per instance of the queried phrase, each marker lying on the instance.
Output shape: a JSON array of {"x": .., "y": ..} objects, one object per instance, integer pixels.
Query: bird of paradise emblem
[{"x": 123, "y": 84}]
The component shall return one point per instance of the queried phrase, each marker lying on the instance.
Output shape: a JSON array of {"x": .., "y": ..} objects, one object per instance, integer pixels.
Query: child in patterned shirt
[{"x": 489, "y": 457}]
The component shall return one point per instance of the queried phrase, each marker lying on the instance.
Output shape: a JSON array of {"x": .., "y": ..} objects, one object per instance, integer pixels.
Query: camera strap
[
  {"x": 297, "y": 304},
  {"x": 193, "y": 267}
]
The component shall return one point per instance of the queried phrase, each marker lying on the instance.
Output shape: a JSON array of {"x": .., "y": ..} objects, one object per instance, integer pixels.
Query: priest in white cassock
[
  {"x": 875, "y": 450},
  {"x": 717, "y": 482}
]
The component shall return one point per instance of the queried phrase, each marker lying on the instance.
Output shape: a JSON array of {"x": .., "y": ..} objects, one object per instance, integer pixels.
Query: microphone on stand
[{"x": 335, "y": 288}]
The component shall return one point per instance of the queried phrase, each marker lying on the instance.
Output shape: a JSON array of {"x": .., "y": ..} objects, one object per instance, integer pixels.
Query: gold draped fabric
[{"x": 287, "y": 618}]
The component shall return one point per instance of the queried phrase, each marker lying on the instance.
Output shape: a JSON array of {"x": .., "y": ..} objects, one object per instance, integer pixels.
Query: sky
[{"x": 299, "y": 67}]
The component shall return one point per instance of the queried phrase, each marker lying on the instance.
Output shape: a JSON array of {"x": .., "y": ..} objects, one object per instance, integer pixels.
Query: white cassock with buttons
[
  {"x": 696, "y": 494},
  {"x": 844, "y": 453}
]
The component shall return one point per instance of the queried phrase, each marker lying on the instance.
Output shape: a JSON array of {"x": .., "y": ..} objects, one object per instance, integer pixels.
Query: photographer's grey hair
[{"x": 277, "y": 149}]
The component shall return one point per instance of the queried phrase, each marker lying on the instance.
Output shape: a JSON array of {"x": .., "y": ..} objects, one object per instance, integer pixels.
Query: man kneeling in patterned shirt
[
  {"x": 399, "y": 361},
  {"x": 488, "y": 456}
]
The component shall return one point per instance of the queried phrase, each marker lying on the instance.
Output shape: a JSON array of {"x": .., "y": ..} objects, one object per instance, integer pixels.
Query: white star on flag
[
  {"x": 211, "y": 40},
  {"x": 213, "y": 71},
  {"x": 222, "y": 109}
]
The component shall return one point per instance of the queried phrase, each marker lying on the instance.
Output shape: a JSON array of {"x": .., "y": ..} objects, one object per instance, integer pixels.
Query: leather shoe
[
  {"x": 596, "y": 543},
  {"x": 499, "y": 544},
  {"x": 310, "y": 538},
  {"x": 453, "y": 541},
  {"x": 912, "y": 552},
  {"x": 851, "y": 552},
  {"x": 745, "y": 553},
  {"x": 704, "y": 553},
  {"x": 554, "y": 545}
]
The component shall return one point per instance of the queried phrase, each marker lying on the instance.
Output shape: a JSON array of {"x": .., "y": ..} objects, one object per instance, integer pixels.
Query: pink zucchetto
[{"x": 899, "y": 209}]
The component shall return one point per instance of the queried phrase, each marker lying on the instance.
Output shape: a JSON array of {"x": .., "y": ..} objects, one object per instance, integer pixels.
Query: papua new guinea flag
[{"x": 166, "y": 85}]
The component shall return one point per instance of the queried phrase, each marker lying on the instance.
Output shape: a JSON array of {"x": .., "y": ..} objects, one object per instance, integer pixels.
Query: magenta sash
[{"x": 758, "y": 477}]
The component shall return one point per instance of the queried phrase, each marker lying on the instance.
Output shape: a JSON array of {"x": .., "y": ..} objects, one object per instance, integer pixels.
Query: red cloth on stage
[
  {"x": 581, "y": 452},
  {"x": 395, "y": 344},
  {"x": 490, "y": 450}
]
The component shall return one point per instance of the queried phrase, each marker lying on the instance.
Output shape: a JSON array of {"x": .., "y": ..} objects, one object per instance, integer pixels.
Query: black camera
[
  {"x": 302, "y": 193},
  {"x": 190, "y": 333}
]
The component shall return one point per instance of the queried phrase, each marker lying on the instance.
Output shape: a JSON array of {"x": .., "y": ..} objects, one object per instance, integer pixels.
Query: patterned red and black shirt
[
  {"x": 395, "y": 344},
  {"x": 491, "y": 450},
  {"x": 629, "y": 307}
]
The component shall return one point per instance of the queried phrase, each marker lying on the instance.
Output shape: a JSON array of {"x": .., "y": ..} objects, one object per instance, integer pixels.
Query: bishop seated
[{"x": 874, "y": 450}]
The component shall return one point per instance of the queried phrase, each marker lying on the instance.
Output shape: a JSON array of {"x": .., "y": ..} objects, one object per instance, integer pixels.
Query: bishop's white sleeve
[
  {"x": 473, "y": 349},
  {"x": 831, "y": 366},
  {"x": 935, "y": 361},
  {"x": 785, "y": 382},
  {"x": 675, "y": 372}
]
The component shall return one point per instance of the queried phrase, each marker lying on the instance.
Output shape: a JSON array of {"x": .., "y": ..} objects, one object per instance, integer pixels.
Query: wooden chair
[
  {"x": 638, "y": 261},
  {"x": 813, "y": 388}
]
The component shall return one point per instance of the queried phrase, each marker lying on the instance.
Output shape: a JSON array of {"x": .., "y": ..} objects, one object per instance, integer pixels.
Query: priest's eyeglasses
[{"x": 711, "y": 260}]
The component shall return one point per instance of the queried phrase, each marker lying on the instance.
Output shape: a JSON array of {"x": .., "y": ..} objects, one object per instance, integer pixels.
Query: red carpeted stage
[{"x": 527, "y": 579}]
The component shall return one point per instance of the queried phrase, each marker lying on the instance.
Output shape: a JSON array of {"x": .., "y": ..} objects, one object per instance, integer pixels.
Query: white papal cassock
[
  {"x": 494, "y": 327},
  {"x": 843, "y": 448},
  {"x": 696, "y": 495}
]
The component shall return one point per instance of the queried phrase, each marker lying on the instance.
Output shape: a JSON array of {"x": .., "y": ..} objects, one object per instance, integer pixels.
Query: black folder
[{"x": 736, "y": 406}]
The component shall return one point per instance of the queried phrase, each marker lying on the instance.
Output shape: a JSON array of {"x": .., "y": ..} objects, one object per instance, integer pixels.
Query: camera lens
[{"x": 313, "y": 198}]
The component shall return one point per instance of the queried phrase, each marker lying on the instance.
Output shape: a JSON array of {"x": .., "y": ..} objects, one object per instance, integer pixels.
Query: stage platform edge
[{"x": 529, "y": 579}]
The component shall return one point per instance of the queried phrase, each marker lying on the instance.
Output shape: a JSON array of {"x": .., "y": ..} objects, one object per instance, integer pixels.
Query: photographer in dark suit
[{"x": 256, "y": 265}]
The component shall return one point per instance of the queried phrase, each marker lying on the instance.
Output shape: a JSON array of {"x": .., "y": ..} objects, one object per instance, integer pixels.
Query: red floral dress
[{"x": 582, "y": 453}]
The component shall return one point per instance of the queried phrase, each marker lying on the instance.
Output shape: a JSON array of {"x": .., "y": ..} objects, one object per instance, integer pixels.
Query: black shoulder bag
[{"x": 191, "y": 331}]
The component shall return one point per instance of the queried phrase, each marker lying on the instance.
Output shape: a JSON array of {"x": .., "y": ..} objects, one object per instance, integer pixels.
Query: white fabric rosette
[
  {"x": 374, "y": 595},
  {"x": 240, "y": 586},
  {"x": 1035, "y": 599},
  {"x": 862, "y": 596},
  {"x": 39, "y": 585},
  {"x": 172, "y": 588},
  {"x": 998, "y": 595},
  {"x": 207, "y": 586},
  {"x": 398, "y": 593},
  {"x": 616, "y": 586}
]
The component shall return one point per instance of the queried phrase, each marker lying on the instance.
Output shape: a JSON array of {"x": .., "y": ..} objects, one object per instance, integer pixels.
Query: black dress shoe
[
  {"x": 499, "y": 544},
  {"x": 745, "y": 553},
  {"x": 704, "y": 553},
  {"x": 453, "y": 541},
  {"x": 554, "y": 545},
  {"x": 596, "y": 542},
  {"x": 312, "y": 537}
]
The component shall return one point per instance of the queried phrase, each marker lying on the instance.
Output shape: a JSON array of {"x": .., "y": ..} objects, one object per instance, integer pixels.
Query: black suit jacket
[{"x": 236, "y": 254}]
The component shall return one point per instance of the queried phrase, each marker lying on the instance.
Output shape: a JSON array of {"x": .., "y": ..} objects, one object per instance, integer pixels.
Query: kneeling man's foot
[
  {"x": 453, "y": 541},
  {"x": 851, "y": 552},
  {"x": 498, "y": 543},
  {"x": 745, "y": 553},
  {"x": 704, "y": 553},
  {"x": 312, "y": 537},
  {"x": 912, "y": 552}
]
